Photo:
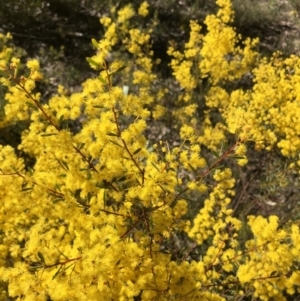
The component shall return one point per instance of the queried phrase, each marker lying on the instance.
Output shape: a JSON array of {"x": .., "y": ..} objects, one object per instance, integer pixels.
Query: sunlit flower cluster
[{"x": 103, "y": 214}]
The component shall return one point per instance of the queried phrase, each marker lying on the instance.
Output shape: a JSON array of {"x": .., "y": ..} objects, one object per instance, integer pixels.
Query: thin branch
[{"x": 207, "y": 171}]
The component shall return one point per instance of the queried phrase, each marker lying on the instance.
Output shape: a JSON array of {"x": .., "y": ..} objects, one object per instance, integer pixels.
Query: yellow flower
[
  {"x": 242, "y": 162},
  {"x": 106, "y": 21},
  {"x": 29, "y": 85},
  {"x": 34, "y": 65},
  {"x": 143, "y": 9},
  {"x": 125, "y": 13}
]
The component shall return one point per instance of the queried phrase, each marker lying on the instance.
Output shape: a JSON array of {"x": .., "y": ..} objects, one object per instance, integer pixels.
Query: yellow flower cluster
[
  {"x": 182, "y": 63},
  {"x": 101, "y": 210},
  {"x": 143, "y": 9},
  {"x": 125, "y": 13},
  {"x": 272, "y": 256},
  {"x": 19, "y": 107},
  {"x": 207, "y": 219},
  {"x": 216, "y": 57},
  {"x": 269, "y": 114}
]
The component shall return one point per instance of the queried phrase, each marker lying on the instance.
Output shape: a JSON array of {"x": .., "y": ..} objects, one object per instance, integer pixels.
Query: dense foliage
[{"x": 126, "y": 189}]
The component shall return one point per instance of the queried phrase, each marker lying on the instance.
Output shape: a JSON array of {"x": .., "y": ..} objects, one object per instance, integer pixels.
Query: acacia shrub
[{"x": 96, "y": 216}]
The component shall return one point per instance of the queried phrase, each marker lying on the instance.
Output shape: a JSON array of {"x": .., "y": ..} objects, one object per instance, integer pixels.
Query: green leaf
[
  {"x": 237, "y": 157},
  {"x": 34, "y": 266},
  {"x": 98, "y": 107},
  {"x": 118, "y": 70},
  {"x": 62, "y": 175},
  {"x": 46, "y": 135},
  {"x": 187, "y": 177},
  {"x": 153, "y": 208},
  {"x": 155, "y": 166},
  {"x": 112, "y": 134},
  {"x": 95, "y": 43},
  {"x": 31, "y": 105},
  {"x": 102, "y": 80},
  {"x": 164, "y": 189},
  {"x": 61, "y": 252},
  {"x": 224, "y": 145},
  {"x": 61, "y": 119},
  {"x": 8, "y": 55},
  {"x": 68, "y": 266},
  {"x": 192, "y": 168},
  {"x": 27, "y": 188},
  {"x": 80, "y": 146},
  {"x": 57, "y": 200},
  {"x": 89, "y": 197},
  {"x": 215, "y": 154},
  {"x": 122, "y": 179},
  {"x": 217, "y": 167},
  {"x": 65, "y": 165},
  {"x": 137, "y": 151},
  {"x": 30, "y": 170},
  {"x": 92, "y": 62},
  {"x": 57, "y": 272},
  {"x": 41, "y": 257},
  {"x": 164, "y": 160},
  {"x": 274, "y": 274},
  {"x": 57, "y": 186},
  {"x": 18, "y": 88},
  {"x": 103, "y": 184},
  {"x": 115, "y": 143}
]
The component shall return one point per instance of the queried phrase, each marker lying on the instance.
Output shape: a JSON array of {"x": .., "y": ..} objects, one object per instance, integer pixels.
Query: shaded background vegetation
[{"x": 59, "y": 32}]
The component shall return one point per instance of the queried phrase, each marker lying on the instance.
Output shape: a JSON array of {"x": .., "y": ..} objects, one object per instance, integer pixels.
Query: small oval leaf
[
  {"x": 137, "y": 151},
  {"x": 41, "y": 257}
]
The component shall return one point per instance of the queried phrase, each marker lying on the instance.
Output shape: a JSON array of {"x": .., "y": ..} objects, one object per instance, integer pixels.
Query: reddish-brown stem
[
  {"x": 118, "y": 126},
  {"x": 126, "y": 147},
  {"x": 62, "y": 262},
  {"x": 217, "y": 255},
  {"x": 207, "y": 171},
  {"x": 17, "y": 82},
  {"x": 91, "y": 166},
  {"x": 192, "y": 247},
  {"x": 132, "y": 227},
  {"x": 237, "y": 202},
  {"x": 238, "y": 282},
  {"x": 245, "y": 252},
  {"x": 109, "y": 212},
  {"x": 18, "y": 174}
]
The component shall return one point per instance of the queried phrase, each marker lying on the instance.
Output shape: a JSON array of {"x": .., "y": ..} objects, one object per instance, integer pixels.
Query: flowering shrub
[{"x": 95, "y": 216}]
